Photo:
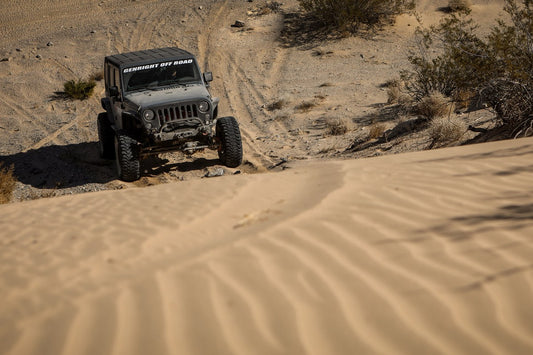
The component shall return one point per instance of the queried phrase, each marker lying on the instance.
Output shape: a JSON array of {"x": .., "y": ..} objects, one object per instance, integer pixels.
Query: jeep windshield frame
[{"x": 161, "y": 75}]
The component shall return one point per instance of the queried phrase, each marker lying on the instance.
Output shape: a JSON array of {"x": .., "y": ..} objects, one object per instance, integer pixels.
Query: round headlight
[
  {"x": 148, "y": 115},
  {"x": 203, "y": 106}
]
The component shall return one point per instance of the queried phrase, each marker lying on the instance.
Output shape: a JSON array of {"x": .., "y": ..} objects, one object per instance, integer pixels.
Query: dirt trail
[{"x": 284, "y": 84}]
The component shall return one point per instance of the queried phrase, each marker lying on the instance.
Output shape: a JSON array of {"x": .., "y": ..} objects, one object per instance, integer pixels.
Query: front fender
[
  {"x": 106, "y": 104},
  {"x": 216, "y": 100}
]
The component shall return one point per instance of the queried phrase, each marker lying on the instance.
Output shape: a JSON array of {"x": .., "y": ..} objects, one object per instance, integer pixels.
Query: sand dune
[{"x": 419, "y": 253}]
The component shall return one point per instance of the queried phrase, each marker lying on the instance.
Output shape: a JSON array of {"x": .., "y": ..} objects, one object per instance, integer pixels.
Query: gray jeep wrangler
[{"x": 157, "y": 101}]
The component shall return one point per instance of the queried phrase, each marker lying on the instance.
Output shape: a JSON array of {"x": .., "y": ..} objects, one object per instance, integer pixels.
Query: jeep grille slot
[{"x": 174, "y": 113}]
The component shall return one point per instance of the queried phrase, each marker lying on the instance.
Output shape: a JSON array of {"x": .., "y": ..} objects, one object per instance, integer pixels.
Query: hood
[{"x": 162, "y": 97}]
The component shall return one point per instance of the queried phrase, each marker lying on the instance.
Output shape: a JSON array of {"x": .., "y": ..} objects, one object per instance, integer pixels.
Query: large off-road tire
[
  {"x": 229, "y": 136},
  {"x": 106, "y": 135},
  {"x": 127, "y": 162}
]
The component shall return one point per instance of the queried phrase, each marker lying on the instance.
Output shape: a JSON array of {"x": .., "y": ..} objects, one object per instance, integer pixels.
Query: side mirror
[
  {"x": 208, "y": 76},
  {"x": 113, "y": 91}
]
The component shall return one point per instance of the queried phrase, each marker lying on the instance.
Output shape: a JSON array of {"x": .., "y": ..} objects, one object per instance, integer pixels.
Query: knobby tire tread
[
  {"x": 128, "y": 155},
  {"x": 230, "y": 136}
]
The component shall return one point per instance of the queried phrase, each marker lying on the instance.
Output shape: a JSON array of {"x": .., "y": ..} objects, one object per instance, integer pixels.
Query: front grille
[{"x": 175, "y": 113}]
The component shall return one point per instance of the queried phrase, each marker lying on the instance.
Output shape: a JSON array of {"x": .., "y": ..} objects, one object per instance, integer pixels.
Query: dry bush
[
  {"x": 336, "y": 126},
  {"x": 396, "y": 93},
  {"x": 393, "y": 94},
  {"x": 434, "y": 105},
  {"x": 348, "y": 15},
  {"x": 79, "y": 90},
  {"x": 321, "y": 52},
  {"x": 306, "y": 106},
  {"x": 446, "y": 129},
  {"x": 277, "y": 105},
  {"x": 97, "y": 76},
  {"x": 376, "y": 130},
  {"x": 462, "y": 98},
  {"x": 459, "y": 5},
  {"x": 7, "y": 183}
]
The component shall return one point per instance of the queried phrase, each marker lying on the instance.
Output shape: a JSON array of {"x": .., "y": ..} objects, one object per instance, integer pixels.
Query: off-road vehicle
[{"x": 158, "y": 101}]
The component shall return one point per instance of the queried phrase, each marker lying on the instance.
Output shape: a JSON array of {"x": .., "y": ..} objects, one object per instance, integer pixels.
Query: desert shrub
[
  {"x": 7, "y": 183},
  {"x": 336, "y": 126},
  {"x": 434, "y": 105},
  {"x": 396, "y": 92},
  {"x": 459, "y": 5},
  {"x": 446, "y": 129},
  {"x": 97, "y": 76},
  {"x": 461, "y": 62},
  {"x": 498, "y": 68},
  {"x": 347, "y": 15},
  {"x": 306, "y": 106},
  {"x": 277, "y": 105},
  {"x": 79, "y": 90},
  {"x": 463, "y": 98},
  {"x": 376, "y": 130}
]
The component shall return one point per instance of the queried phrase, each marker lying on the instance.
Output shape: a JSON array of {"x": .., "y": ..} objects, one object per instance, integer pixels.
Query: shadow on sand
[{"x": 72, "y": 165}]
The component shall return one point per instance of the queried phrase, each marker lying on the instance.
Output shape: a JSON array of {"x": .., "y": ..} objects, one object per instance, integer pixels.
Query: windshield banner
[{"x": 157, "y": 65}]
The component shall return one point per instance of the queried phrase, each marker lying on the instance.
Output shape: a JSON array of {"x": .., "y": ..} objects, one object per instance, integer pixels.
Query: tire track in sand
[{"x": 216, "y": 58}]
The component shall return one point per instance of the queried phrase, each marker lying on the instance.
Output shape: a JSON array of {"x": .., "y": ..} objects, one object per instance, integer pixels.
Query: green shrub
[
  {"x": 7, "y": 183},
  {"x": 79, "y": 90},
  {"x": 498, "y": 68},
  {"x": 347, "y": 15}
]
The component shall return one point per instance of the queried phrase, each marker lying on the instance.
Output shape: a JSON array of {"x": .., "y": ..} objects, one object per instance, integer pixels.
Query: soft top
[{"x": 148, "y": 56}]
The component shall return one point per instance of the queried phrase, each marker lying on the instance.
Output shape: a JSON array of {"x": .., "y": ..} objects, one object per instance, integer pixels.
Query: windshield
[{"x": 161, "y": 74}]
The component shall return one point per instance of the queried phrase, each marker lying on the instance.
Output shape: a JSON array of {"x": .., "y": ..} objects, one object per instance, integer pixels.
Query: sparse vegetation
[
  {"x": 394, "y": 91},
  {"x": 319, "y": 52},
  {"x": 306, "y": 106},
  {"x": 376, "y": 130},
  {"x": 79, "y": 90},
  {"x": 7, "y": 183},
  {"x": 336, "y": 126},
  {"x": 434, "y": 105},
  {"x": 496, "y": 69},
  {"x": 446, "y": 129},
  {"x": 348, "y": 15},
  {"x": 459, "y": 5},
  {"x": 97, "y": 76},
  {"x": 277, "y": 105}
]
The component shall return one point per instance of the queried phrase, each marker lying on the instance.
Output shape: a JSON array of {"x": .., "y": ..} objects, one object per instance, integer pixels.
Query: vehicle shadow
[
  {"x": 61, "y": 166},
  {"x": 72, "y": 165}
]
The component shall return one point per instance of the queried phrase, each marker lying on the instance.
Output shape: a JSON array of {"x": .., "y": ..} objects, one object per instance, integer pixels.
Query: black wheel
[
  {"x": 127, "y": 157},
  {"x": 229, "y": 135},
  {"x": 105, "y": 137}
]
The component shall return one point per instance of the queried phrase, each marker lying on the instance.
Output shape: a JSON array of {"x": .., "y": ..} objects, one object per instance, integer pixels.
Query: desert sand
[
  {"x": 419, "y": 253},
  {"x": 414, "y": 253}
]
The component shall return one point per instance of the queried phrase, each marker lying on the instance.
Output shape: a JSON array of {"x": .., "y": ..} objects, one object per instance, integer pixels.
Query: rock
[
  {"x": 238, "y": 24},
  {"x": 214, "y": 172},
  {"x": 49, "y": 44},
  {"x": 200, "y": 7},
  {"x": 38, "y": 56},
  {"x": 18, "y": 49},
  {"x": 5, "y": 59}
]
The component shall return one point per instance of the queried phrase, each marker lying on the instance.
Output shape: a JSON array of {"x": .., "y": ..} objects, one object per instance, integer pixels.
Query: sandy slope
[{"x": 418, "y": 253}]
